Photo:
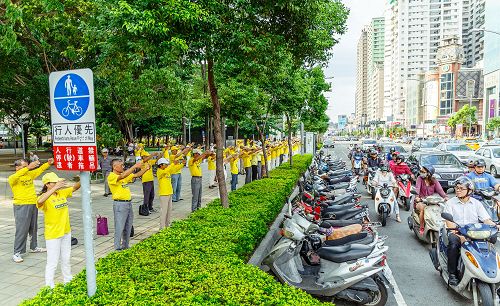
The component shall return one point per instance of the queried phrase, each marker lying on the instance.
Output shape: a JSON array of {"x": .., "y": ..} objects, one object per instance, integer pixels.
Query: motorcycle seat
[
  {"x": 341, "y": 223},
  {"x": 342, "y": 213},
  {"x": 345, "y": 253},
  {"x": 337, "y": 208},
  {"x": 360, "y": 238}
]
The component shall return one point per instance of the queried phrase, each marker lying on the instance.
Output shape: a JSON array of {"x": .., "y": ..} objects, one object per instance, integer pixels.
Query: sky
[{"x": 342, "y": 67}]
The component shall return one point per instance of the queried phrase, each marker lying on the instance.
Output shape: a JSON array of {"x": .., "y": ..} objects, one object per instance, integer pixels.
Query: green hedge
[{"x": 198, "y": 261}]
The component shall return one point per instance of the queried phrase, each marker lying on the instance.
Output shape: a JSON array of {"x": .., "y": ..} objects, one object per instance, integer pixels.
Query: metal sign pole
[{"x": 88, "y": 233}]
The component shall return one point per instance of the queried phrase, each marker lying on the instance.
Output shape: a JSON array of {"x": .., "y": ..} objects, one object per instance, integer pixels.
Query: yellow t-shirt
[
  {"x": 164, "y": 179},
  {"x": 119, "y": 188},
  {"x": 137, "y": 152},
  {"x": 148, "y": 175},
  {"x": 211, "y": 163},
  {"x": 247, "y": 160},
  {"x": 172, "y": 158},
  {"x": 255, "y": 159},
  {"x": 22, "y": 185},
  {"x": 234, "y": 165},
  {"x": 56, "y": 213},
  {"x": 273, "y": 153},
  {"x": 195, "y": 167}
]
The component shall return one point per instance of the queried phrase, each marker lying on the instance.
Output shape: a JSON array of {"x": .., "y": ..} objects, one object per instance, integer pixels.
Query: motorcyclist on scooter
[
  {"x": 426, "y": 186},
  {"x": 480, "y": 178},
  {"x": 356, "y": 155},
  {"x": 373, "y": 160},
  {"x": 465, "y": 210},
  {"x": 383, "y": 176},
  {"x": 391, "y": 152},
  {"x": 399, "y": 167},
  {"x": 470, "y": 166}
]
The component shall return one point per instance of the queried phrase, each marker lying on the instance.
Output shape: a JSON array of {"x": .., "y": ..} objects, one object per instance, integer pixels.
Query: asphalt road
[{"x": 418, "y": 282}]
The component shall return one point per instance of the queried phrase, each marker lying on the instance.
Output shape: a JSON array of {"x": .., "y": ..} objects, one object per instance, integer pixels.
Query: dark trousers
[
  {"x": 281, "y": 159},
  {"x": 234, "y": 181},
  {"x": 248, "y": 175},
  {"x": 149, "y": 194},
  {"x": 26, "y": 217},
  {"x": 255, "y": 173},
  {"x": 454, "y": 245}
]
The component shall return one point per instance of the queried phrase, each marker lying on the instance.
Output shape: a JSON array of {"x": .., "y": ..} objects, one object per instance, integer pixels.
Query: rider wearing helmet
[
  {"x": 373, "y": 160},
  {"x": 400, "y": 167},
  {"x": 470, "y": 165},
  {"x": 480, "y": 178},
  {"x": 426, "y": 186},
  {"x": 391, "y": 152},
  {"x": 465, "y": 210},
  {"x": 357, "y": 154},
  {"x": 383, "y": 176}
]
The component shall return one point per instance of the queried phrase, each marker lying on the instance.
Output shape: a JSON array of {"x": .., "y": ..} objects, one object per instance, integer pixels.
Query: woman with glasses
[{"x": 426, "y": 186}]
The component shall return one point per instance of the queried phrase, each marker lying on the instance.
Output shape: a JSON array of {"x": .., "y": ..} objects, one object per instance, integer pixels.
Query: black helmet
[
  {"x": 464, "y": 181},
  {"x": 480, "y": 163},
  {"x": 384, "y": 168},
  {"x": 429, "y": 168},
  {"x": 393, "y": 149},
  {"x": 373, "y": 152},
  {"x": 400, "y": 157},
  {"x": 470, "y": 163}
]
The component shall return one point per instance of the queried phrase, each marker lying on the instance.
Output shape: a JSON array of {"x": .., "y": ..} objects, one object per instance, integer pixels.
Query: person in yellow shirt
[
  {"x": 211, "y": 170},
  {"x": 246, "y": 156},
  {"x": 194, "y": 165},
  {"x": 233, "y": 160},
  {"x": 53, "y": 202},
  {"x": 273, "y": 158},
  {"x": 122, "y": 205},
  {"x": 164, "y": 174},
  {"x": 148, "y": 187},
  {"x": 25, "y": 211},
  {"x": 138, "y": 151},
  {"x": 176, "y": 177}
]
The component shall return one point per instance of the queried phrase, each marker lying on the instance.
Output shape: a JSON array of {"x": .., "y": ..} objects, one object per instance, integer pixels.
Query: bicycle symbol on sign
[{"x": 73, "y": 108}]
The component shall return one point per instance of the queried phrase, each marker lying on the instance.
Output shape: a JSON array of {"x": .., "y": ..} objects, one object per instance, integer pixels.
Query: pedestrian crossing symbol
[{"x": 71, "y": 96}]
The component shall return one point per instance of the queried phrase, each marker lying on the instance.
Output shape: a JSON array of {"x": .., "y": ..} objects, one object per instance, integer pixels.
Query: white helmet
[{"x": 163, "y": 161}]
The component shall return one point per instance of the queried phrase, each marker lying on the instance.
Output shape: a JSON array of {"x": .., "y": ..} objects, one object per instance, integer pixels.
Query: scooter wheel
[
  {"x": 410, "y": 224},
  {"x": 385, "y": 215},
  {"x": 380, "y": 297},
  {"x": 407, "y": 204},
  {"x": 485, "y": 294}
]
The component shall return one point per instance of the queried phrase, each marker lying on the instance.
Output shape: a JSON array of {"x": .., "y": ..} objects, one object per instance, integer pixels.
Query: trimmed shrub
[{"x": 197, "y": 261}]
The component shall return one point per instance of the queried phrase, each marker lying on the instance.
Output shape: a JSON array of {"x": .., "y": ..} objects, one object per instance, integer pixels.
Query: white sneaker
[
  {"x": 38, "y": 250},
  {"x": 17, "y": 258}
]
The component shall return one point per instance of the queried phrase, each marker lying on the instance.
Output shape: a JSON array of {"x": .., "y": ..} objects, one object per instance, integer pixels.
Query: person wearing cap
[
  {"x": 194, "y": 165},
  {"x": 122, "y": 205},
  {"x": 25, "y": 211},
  {"x": 54, "y": 204},
  {"x": 164, "y": 174},
  {"x": 233, "y": 160},
  {"x": 105, "y": 165},
  {"x": 246, "y": 156},
  {"x": 148, "y": 187},
  {"x": 211, "y": 170},
  {"x": 176, "y": 177}
]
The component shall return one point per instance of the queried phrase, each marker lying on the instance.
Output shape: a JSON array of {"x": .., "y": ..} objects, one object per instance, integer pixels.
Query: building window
[{"x": 446, "y": 105}]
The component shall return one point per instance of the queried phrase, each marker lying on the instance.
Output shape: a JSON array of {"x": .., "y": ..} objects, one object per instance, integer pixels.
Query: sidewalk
[{"x": 21, "y": 281}]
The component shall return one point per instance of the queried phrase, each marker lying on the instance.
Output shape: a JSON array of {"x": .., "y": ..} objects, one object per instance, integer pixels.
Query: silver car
[
  {"x": 460, "y": 150},
  {"x": 491, "y": 155}
]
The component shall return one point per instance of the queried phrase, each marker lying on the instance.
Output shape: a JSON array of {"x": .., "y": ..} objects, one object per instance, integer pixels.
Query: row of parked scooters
[
  {"x": 330, "y": 248},
  {"x": 328, "y": 245}
]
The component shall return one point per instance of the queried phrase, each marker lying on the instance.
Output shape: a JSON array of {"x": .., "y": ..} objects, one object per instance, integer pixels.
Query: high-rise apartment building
[
  {"x": 473, "y": 41},
  {"x": 375, "y": 45},
  {"x": 362, "y": 79},
  {"x": 414, "y": 29}
]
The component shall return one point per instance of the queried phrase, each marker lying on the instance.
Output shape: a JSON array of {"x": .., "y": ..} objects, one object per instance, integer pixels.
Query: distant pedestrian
[
  {"x": 233, "y": 163},
  {"x": 194, "y": 165},
  {"x": 177, "y": 177},
  {"x": 53, "y": 202},
  {"x": 148, "y": 187},
  {"x": 105, "y": 165},
  {"x": 25, "y": 211},
  {"x": 118, "y": 181},
  {"x": 164, "y": 174},
  {"x": 33, "y": 157},
  {"x": 211, "y": 170}
]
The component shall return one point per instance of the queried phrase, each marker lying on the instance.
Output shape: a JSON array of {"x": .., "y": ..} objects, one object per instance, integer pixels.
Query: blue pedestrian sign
[
  {"x": 71, "y": 96},
  {"x": 72, "y": 108}
]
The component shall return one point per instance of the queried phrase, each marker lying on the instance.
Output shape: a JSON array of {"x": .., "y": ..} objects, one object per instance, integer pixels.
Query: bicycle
[{"x": 73, "y": 108}]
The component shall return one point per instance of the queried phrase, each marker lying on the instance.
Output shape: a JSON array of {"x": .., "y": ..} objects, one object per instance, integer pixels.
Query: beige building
[
  {"x": 375, "y": 53},
  {"x": 362, "y": 79}
]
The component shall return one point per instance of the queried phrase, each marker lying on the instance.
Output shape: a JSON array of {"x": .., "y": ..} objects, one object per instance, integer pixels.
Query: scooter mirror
[
  {"x": 414, "y": 192},
  {"x": 447, "y": 216}
]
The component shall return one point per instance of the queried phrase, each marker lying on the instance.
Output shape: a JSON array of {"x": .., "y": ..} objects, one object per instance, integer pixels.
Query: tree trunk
[
  {"x": 236, "y": 127},
  {"x": 289, "y": 125},
  {"x": 183, "y": 130},
  {"x": 223, "y": 128},
  {"x": 218, "y": 135},
  {"x": 207, "y": 132},
  {"x": 25, "y": 138}
]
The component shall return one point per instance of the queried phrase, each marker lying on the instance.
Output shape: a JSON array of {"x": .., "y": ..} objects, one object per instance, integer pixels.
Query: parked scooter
[
  {"x": 385, "y": 202},
  {"x": 370, "y": 185},
  {"x": 353, "y": 272},
  {"x": 432, "y": 217},
  {"x": 404, "y": 195},
  {"x": 478, "y": 270}
]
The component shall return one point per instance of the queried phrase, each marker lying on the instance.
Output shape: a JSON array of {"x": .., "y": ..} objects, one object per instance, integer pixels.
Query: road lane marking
[{"x": 397, "y": 293}]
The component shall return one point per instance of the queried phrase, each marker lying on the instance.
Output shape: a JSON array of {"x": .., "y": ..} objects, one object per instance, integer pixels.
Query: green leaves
[{"x": 198, "y": 261}]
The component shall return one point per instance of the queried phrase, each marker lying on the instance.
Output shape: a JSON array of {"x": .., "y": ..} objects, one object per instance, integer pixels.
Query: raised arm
[{"x": 49, "y": 192}]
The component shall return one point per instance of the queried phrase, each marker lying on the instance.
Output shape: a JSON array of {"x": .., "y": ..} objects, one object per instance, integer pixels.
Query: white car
[
  {"x": 368, "y": 144},
  {"x": 460, "y": 150},
  {"x": 491, "y": 156}
]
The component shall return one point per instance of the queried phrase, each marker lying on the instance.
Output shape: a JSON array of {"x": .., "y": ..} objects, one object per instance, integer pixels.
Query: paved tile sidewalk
[{"x": 23, "y": 280}]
